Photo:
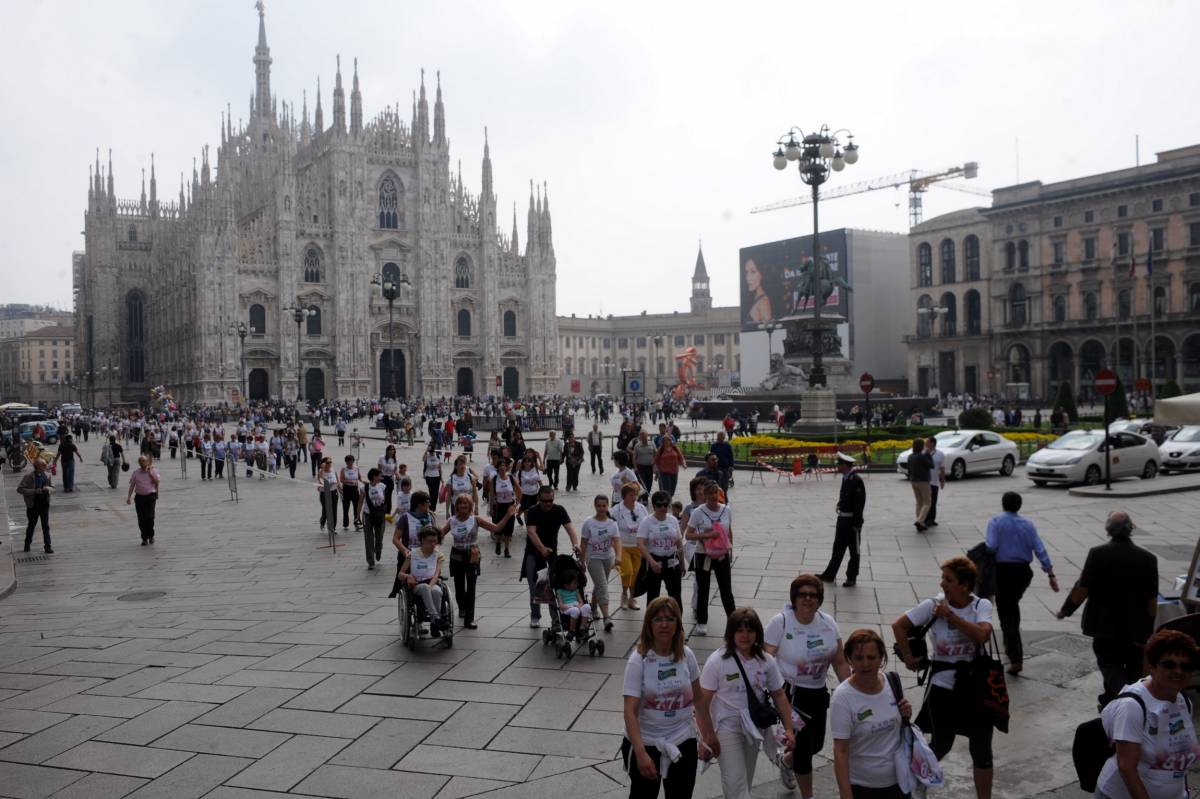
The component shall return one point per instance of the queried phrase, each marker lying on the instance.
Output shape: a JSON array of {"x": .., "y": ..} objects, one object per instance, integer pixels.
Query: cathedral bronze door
[
  {"x": 314, "y": 385},
  {"x": 512, "y": 382},
  {"x": 258, "y": 387},
  {"x": 391, "y": 374}
]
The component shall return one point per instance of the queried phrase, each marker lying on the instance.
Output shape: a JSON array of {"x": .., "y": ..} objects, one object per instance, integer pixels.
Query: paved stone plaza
[{"x": 256, "y": 664}]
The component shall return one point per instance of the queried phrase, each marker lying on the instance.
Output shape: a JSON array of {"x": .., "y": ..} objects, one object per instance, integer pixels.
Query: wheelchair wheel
[
  {"x": 447, "y": 617},
  {"x": 408, "y": 624},
  {"x": 546, "y": 637},
  {"x": 600, "y": 648}
]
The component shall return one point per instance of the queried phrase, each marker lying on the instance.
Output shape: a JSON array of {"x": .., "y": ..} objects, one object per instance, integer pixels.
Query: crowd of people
[{"x": 767, "y": 687}]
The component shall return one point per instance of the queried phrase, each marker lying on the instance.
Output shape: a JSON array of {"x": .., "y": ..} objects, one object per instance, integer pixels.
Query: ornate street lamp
[
  {"x": 390, "y": 290},
  {"x": 109, "y": 371},
  {"x": 299, "y": 314},
  {"x": 932, "y": 313},
  {"x": 240, "y": 330},
  {"x": 816, "y": 154}
]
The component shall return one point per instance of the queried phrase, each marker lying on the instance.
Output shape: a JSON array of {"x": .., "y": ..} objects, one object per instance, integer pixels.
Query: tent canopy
[{"x": 1178, "y": 410}]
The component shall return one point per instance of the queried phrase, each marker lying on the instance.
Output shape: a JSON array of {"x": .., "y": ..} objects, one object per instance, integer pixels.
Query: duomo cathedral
[{"x": 291, "y": 227}]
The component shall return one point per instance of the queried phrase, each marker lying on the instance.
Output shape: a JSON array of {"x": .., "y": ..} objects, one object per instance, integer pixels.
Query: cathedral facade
[{"x": 290, "y": 232}]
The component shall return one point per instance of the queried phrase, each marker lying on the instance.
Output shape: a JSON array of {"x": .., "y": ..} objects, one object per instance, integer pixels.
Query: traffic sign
[
  {"x": 1142, "y": 384},
  {"x": 1105, "y": 382},
  {"x": 866, "y": 382},
  {"x": 634, "y": 381}
]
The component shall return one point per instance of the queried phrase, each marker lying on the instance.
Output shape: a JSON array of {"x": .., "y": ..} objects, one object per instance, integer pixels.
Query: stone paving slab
[{"x": 278, "y": 663}]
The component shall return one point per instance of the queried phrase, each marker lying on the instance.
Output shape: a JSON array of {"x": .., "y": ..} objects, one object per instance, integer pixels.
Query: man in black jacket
[
  {"x": 1119, "y": 582},
  {"x": 848, "y": 534}
]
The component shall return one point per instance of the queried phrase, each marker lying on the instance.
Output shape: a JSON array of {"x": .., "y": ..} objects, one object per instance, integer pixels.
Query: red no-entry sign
[
  {"x": 1142, "y": 384},
  {"x": 1106, "y": 382},
  {"x": 866, "y": 382}
]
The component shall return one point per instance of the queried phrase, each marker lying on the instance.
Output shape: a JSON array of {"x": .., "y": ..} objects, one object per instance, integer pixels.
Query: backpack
[{"x": 1092, "y": 748}]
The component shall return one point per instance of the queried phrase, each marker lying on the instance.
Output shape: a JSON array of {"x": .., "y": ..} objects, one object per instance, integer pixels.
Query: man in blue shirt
[
  {"x": 724, "y": 452},
  {"x": 1015, "y": 541}
]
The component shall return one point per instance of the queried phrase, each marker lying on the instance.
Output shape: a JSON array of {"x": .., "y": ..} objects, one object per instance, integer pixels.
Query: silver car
[
  {"x": 1078, "y": 457},
  {"x": 1181, "y": 451},
  {"x": 971, "y": 452}
]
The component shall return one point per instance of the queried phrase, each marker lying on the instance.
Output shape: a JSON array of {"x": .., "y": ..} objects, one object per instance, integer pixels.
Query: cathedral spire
[
  {"x": 531, "y": 227},
  {"x": 222, "y": 130},
  {"x": 143, "y": 200},
  {"x": 439, "y": 115},
  {"x": 516, "y": 247},
  {"x": 339, "y": 101},
  {"x": 153, "y": 189},
  {"x": 229, "y": 121},
  {"x": 262, "y": 65},
  {"x": 355, "y": 105},
  {"x": 304, "y": 129},
  {"x": 112, "y": 194},
  {"x": 421, "y": 131},
  {"x": 99, "y": 186},
  {"x": 182, "y": 204},
  {"x": 486, "y": 190},
  {"x": 546, "y": 229},
  {"x": 318, "y": 116}
]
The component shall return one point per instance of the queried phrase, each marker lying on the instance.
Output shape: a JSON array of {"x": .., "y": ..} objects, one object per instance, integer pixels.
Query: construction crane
[{"x": 918, "y": 183}]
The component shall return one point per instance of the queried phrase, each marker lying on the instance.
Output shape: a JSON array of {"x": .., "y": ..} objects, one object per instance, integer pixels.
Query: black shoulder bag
[{"x": 762, "y": 712}]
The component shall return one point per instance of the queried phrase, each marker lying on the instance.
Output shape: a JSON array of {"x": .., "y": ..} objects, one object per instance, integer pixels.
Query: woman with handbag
[
  {"x": 710, "y": 526},
  {"x": 806, "y": 644},
  {"x": 660, "y": 690},
  {"x": 628, "y": 514},
  {"x": 960, "y": 625},
  {"x": 735, "y": 685},
  {"x": 864, "y": 719},
  {"x": 463, "y": 528}
]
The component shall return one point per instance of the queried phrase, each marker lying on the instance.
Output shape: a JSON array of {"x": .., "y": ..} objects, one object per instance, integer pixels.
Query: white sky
[{"x": 653, "y": 122}]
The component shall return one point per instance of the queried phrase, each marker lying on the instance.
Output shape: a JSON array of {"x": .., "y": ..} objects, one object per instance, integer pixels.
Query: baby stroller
[{"x": 566, "y": 642}]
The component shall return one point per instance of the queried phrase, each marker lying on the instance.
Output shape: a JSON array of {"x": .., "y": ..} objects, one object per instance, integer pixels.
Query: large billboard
[{"x": 771, "y": 273}]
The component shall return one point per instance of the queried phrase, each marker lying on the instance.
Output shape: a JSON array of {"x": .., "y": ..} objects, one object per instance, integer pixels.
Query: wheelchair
[{"x": 415, "y": 623}]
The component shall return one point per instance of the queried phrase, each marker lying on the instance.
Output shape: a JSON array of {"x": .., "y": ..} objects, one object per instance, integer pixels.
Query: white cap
[{"x": 844, "y": 458}]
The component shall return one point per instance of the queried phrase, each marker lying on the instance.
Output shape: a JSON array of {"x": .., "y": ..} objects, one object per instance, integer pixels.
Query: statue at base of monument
[{"x": 784, "y": 375}]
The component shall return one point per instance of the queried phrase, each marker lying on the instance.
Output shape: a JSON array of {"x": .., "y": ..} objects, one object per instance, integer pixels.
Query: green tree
[
  {"x": 1169, "y": 389},
  {"x": 1116, "y": 404},
  {"x": 1066, "y": 400},
  {"x": 976, "y": 418}
]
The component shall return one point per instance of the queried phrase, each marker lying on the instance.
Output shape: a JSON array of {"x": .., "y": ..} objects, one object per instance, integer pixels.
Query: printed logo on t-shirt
[
  {"x": 732, "y": 677},
  {"x": 789, "y": 636},
  {"x": 863, "y": 715},
  {"x": 665, "y": 673},
  {"x": 814, "y": 643}
]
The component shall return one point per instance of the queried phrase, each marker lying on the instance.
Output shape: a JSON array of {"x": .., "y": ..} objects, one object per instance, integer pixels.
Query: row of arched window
[
  {"x": 948, "y": 261},
  {"x": 258, "y": 320},
  {"x": 314, "y": 273},
  {"x": 943, "y": 317}
]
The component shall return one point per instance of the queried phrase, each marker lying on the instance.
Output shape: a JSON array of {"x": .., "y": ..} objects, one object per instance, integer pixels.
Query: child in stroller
[{"x": 563, "y": 590}]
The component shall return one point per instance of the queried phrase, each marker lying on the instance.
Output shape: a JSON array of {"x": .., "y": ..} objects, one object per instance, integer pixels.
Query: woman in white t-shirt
[
  {"x": 710, "y": 526},
  {"x": 463, "y": 528},
  {"x": 740, "y": 664},
  {"x": 462, "y": 483},
  {"x": 661, "y": 543},
  {"x": 529, "y": 476},
  {"x": 660, "y": 689},
  {"x": 387, "y": 470},
  {"x": 504, "y": 492},
  {"x": 628, "y": 515},
  {"x": 864, "y": 719},
  {"x": 1155, "y": 738},
  {"x": 601, "y": 539},
  {"x": 960, "y": 623},
  {"x": 431, "y": 470},
  {"x": 622, "y": 476},
  {"x": 806, "y": 644}
]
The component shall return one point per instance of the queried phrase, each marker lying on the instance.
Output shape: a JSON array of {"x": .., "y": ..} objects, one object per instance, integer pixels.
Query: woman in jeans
[
  {"x": 864, "y": 719},
  {"x": 144, "y": 483},
  {"x": 660, "y": 689},
  {"x": 729, "y": 672},
  {"x": 667, "y": 462},
  {"x": 961, "y": 623},
  {"x": 806, "y": 644}
]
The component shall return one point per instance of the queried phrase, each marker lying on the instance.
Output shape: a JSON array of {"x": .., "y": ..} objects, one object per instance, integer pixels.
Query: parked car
[
  {"x": 1129, "y": 425},
  {"x": 971, "y": 452},
  {"x": 1078, "y": 457},
  {"x": 1181, "y": 451},
  {"x": 49, "y": 429}
]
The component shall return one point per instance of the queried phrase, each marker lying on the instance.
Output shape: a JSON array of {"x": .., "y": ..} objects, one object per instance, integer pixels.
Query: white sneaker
[
  {"x": 534, "y": 623},
  {"x": 786, "y": 775},
  {"x": 701, "y": 629}
]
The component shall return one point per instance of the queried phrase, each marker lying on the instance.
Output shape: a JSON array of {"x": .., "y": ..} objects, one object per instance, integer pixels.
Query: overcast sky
[{"x": 653, "y": 123}]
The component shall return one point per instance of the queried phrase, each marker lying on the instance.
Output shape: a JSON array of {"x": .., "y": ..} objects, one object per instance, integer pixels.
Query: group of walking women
[{"x": 678, "y": 715}]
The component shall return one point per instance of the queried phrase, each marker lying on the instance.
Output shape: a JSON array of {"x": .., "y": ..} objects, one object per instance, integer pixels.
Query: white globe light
[
  {"x": 851, "y": 153},
  {"x": 827, "y": 149},
  {"x": 793, "y": 150},
  {"x": 780, "y": 160},
  {"x": 838, "y": 163}
]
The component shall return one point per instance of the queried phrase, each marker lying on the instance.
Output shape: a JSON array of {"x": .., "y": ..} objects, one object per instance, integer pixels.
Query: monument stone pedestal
[{"x": 817, "y": 406}]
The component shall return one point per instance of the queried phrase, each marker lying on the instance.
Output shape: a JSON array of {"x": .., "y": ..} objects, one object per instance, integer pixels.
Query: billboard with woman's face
[{"x": 771, "y": 276}]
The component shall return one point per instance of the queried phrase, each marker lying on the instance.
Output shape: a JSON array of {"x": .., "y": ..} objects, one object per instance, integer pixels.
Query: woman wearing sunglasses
[
  {"x": 1152, "y": 759},
  {"x": 806, "y": 643},
  {"x": 661, "y": 544}
]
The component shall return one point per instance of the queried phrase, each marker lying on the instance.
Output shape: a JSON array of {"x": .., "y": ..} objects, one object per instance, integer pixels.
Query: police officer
[{"x": 851, "y": 501}]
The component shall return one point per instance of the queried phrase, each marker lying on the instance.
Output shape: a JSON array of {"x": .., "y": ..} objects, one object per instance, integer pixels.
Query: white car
[
  {"x": 1182, "y": 450},
  {"x": 1078, "y": 457},
  {"x": 971, "y": 452}
]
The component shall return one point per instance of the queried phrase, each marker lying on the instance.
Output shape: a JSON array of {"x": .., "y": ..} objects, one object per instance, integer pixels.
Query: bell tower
[{"x": 701, "y": 299}]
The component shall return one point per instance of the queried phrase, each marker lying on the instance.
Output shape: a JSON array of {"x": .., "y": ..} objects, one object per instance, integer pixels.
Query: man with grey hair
[{"x": 1119, "y": 582}]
